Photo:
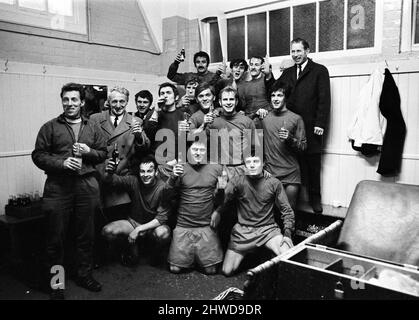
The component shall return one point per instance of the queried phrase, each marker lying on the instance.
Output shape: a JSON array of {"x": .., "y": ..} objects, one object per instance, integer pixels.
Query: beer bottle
[
  {"x": 115, "y": 154},
  {"x": 183, "y": 54},
  {"x": 77, "y": 154},
  {"x": 186, "y": 116}
]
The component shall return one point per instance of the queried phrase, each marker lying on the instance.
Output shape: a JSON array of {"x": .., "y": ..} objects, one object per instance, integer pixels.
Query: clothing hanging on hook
[
  {"x": 395, "y": 134},
  {"x": 367, "y": 128}
]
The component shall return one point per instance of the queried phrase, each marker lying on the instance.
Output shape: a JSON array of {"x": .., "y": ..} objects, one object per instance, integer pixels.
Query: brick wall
[{"x": 179, "y": 33}]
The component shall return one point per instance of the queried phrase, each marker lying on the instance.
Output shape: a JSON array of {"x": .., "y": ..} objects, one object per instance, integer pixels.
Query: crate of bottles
[{"x": 24, "y": 206}]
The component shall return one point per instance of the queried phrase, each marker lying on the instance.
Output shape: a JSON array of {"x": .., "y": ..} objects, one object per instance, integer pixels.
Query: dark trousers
[
  {"x": 310, "y": 165},
  {"x": 70, "y": 199}
]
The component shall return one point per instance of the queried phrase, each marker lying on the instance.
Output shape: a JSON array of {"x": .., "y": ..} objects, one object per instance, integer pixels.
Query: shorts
[
  {"x": 245, "y": 238},
  {"x": 293, "y": 177},
  {"x": 195, "y": 245}
]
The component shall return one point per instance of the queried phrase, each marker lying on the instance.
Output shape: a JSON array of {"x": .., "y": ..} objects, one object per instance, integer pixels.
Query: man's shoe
[
  {"x": 89, "y": 283},
  {"x": 57, "y": 294}
]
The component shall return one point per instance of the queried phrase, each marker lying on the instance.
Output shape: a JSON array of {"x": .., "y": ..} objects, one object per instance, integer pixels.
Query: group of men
[{"x": 173, "y": 170}]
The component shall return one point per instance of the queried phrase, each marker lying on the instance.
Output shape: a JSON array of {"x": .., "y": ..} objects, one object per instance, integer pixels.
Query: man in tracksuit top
[{"x": 71, "y": 190}]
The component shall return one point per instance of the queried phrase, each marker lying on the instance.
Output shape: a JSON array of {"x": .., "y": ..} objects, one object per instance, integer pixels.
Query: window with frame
[
  {"x": 329, "y": 26},
  {"x": 410, "y": 26},
  {"x": 415, "y": 24},
  {"x": 210, "y": 31},
  {"x": 63, "y": 15},
  {"x": 215, "y": 42}
]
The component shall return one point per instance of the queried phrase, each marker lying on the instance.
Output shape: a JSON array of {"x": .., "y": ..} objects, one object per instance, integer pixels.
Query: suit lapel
[
  {"x": 105, "y": 123},
  {"x": 123, "y": 126},
  {"x": 306, "y": 70}
]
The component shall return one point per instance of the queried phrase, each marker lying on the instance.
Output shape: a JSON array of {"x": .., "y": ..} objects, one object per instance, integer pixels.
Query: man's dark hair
[
  {"x": 204, "y": 86},
  {"x": 302, "y": 41},
  {"x": 201, "y": 54},
  {"x": 73, "y": 87},
  {"x": 281, "y": 86},
  {"x": 262, "y": 60},
  {"x": 145, "y": 94},
  {"x": 147, "y": 159},
  {"x": 193, "y": 80},
  {"x": 238, "y": 62},
  {"x": 171, "y": 85}
]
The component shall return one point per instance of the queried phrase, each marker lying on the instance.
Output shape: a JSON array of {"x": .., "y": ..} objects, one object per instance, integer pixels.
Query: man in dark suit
[{"x": 310, "y": 98}]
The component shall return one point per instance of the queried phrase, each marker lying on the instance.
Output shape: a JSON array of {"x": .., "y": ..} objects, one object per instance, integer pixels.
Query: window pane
[
  {"x": 417, "y": 24},
  {"x": 235, "y": 38},
  {"x": 63, "y": 7},
  {"x": 305, "y": 24},
  {"x": 7, "y": 1},
  {"x": 256, "y": 34},
  {"x": 279, "y": 32},
  {"x": 361, "y": 23},
  {"x": 33, "y": 4},
  {"x": 215, "y": 43},
  {"x": 331, "y": 25}
]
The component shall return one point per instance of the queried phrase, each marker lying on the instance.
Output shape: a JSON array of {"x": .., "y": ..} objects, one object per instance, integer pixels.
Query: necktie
[
  {"x": 115, "y": 122},
  {"x": 299, "y": 71}
]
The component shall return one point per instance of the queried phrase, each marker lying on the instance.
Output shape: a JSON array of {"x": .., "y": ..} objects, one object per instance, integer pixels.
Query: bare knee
[
  {"x": 291, "y": 191},
  {"x": 161, "y": 234},
  {"x": 228, "y": 270},
  {"x": 109, "y": 233},
  {"x": 175, "y": 269}
]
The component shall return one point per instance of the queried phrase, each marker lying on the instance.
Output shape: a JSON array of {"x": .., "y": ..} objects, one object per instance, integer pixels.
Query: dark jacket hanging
[{"x": 392, "y": 150}]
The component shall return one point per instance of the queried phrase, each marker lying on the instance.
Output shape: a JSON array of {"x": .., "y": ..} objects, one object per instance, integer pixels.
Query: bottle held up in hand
[
  {"x": 77, "y": 155},
  {"x": 178, "y": 168},
  {"x": 183, "y": 126},
  {"x": 182, "y": 54},
  {"x": 283, "y": 130},
  {"x": 115, "y": 155}
]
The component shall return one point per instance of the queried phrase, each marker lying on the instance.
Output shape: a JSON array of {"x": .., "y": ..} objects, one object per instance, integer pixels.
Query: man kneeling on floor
[
  {"x": 256, "y": 197},
  {"x": 194, "y": 239},
  {"x": 149, "y": 212}
]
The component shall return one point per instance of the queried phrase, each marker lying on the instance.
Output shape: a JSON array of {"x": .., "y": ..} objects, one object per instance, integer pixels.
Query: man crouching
[{"x": 149, "y": 211}]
